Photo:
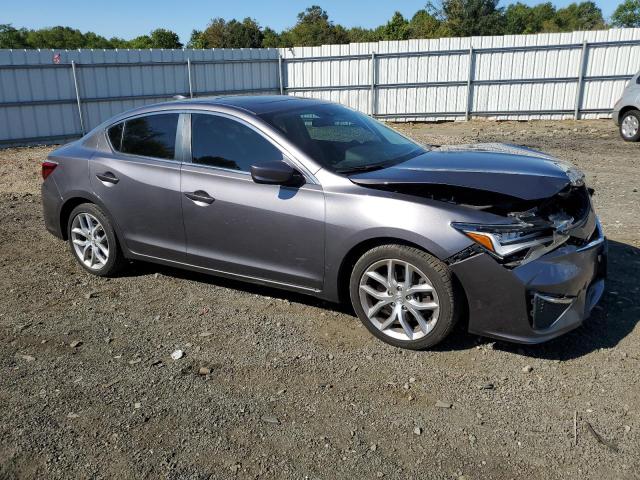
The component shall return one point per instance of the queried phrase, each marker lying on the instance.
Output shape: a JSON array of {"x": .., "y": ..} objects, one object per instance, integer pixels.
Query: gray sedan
[{"x": 311, "y": 196}]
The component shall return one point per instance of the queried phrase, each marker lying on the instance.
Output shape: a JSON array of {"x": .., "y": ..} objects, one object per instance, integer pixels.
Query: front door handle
[
  {"x": 200, "y": 196},
  {"x": 107, "y": 177}
]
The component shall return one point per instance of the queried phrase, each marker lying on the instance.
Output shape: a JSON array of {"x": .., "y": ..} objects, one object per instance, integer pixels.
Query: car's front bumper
[{"x": 537, "y": 301}]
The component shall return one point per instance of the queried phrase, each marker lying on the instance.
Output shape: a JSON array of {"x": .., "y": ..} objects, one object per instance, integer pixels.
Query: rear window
[{"x": 149, "y": 136}]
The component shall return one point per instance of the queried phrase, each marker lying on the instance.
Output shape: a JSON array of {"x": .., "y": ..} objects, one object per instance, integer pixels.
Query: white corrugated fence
[{"x": 48, "y": 95}]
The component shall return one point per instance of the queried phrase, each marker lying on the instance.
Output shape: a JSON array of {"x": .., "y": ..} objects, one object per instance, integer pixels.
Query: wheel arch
[
  {"x": 627, "y": 109},
  {"x": 352, "y": 256},
  {"x": 78, "y": 198}
]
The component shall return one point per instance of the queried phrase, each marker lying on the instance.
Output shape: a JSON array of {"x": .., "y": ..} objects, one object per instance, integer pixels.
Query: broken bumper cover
[{"x": 537, "y": 301}]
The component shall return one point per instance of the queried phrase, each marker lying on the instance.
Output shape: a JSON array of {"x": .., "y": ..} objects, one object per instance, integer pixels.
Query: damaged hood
[{"x": 504, "y": 169}]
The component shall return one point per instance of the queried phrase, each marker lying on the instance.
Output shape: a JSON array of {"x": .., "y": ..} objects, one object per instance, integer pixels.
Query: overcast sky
[{"x": 130, "y": 18}]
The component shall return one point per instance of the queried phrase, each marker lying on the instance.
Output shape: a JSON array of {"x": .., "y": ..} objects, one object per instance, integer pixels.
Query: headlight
[{"x": 505, "y": 240}]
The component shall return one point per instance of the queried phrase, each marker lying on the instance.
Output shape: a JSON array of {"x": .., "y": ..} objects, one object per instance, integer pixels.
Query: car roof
[{"x": 254, "y": 104}]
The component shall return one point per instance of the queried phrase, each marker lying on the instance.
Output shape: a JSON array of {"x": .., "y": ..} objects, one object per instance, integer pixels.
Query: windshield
[{"x": 341, "y": 139}]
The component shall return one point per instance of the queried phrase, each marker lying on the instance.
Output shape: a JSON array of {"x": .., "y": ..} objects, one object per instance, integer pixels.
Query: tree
[
  {"x": 233, "y": 34},
  {"x": 424, "y": 24},
  {"x": 359, "y": 34},
  {"x": 196, "y": 40},
  {"x": 245, "y": 34},
  {"x": 578, "y": 16},
  {"x": 55, "y": 37},
  {"x": 314, "y": 28},
  {"x": 11, "y": 37},
  {"x": 520, "y": 18},
  {"x": 397, "y": 28},
  {"x": 465, "y": 18},
  {"x": 627, "y": 14},
  {"x": 270, "y": 38},
  {"x": 162, "y": 38}
]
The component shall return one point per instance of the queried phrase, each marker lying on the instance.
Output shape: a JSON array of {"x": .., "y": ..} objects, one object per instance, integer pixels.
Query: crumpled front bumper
[{"x": 537, "y": 301}]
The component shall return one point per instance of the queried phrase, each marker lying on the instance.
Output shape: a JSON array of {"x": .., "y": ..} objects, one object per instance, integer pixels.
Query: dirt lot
[{"x": 297, "y": 388}]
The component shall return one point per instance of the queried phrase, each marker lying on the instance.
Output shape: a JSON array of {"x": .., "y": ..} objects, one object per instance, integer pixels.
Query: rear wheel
[
  {"x": 93, "y": 241},
  {"x": 404, "y": 296},
  {"x": 630, "y": 126}
]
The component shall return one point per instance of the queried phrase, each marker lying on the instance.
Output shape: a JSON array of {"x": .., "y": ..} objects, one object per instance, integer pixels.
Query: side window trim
[
  {"x": 285, "y": 156},
  {"x": 124, "y": 121}
]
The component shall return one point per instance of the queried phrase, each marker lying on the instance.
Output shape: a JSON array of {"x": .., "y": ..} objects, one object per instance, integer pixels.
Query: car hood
[{"x": 504, "y": 169}]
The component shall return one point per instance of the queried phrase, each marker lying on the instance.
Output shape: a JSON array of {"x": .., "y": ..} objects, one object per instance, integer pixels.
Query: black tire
[
  {"x": 115, "y": 260},
  {"x": 437, "y": 273},
  {"x": 630, "y": 114}
]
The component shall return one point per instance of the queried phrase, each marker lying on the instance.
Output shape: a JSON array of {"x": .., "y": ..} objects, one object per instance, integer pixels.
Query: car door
[
  {"x": 233, "y": 225},
  {"x": 139, "y": 183}
]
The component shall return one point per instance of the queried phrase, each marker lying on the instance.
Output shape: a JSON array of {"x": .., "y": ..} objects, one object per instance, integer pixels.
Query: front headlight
[{"x": 504, "y": 241}]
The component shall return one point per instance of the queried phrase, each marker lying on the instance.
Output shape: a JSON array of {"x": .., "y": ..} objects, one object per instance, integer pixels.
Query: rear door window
[
  {"x": 221, "y": 142},
  {"x": 150, "y": 136},
  {"x": 115, "y": 136}
]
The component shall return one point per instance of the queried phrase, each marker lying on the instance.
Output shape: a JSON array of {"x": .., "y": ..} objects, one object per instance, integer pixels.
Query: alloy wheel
[
  {"x": 90, "y": 241},
  {"x": 399, "y": 299},
  {"x": 630, "y": 126}
]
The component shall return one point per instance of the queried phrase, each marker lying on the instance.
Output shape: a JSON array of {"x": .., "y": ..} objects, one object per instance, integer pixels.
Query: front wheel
[
  {"x": 404, "y": 296},
  {"x": 630, "y": 126}
]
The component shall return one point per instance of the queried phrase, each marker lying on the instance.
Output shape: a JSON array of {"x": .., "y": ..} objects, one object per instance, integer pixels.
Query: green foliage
[
  {"x": 11, "y": 37},
  {"x": 233, "y": 34},
  {"x": 314, "y": 28},
  {"x": 397, "y": 28},
  {"x": 453, "y": 18},
  {"x": 425, "y": 24},
  {"x": 579, "y": 16},
  {"x": 465, "y": 18},
  {"x": 627, "y": 14},
  {"x": 520, "y": 18}
]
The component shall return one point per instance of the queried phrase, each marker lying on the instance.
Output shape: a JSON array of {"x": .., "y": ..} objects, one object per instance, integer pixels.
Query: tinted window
[
  {"x": 115, "y": 136},
  {"x": 151, "y": 136},
  {"x": 221, "y": 142},
  {"x": 341, "y": 139}
]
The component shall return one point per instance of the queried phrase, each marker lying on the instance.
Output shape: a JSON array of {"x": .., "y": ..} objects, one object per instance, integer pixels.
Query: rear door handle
[
  {"x": 200, "y": 196},
  {"x": 107, "y": 177}
]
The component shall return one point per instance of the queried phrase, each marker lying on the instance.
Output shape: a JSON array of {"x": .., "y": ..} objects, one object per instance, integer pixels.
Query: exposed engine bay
[{"x": 538, "y": 226}]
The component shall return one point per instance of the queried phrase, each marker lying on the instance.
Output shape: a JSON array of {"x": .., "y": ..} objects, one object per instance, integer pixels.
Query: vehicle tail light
[{"x": 48, "y": 168}]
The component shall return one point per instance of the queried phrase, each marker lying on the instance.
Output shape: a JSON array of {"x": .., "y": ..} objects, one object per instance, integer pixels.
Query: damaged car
[{"x": 311, "y": 196}]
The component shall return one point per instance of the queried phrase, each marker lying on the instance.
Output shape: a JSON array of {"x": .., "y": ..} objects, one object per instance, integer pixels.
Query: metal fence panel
[{"x": 521, "y": 77}]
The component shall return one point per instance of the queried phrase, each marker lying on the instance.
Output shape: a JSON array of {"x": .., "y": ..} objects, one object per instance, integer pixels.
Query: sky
[{"x": 130, "y": 18}]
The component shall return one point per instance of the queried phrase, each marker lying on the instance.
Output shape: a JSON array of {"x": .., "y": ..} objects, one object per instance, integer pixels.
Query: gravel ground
[{"x": 278, "y": 385}]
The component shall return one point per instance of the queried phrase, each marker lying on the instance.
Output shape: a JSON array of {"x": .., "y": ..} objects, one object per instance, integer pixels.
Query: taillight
[{"x": 48, "y": 168}]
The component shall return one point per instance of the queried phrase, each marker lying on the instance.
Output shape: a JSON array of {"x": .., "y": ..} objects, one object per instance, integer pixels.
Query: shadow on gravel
[
  {"x": 143, "y": 268},
  {"x": 612, "y": 319}
]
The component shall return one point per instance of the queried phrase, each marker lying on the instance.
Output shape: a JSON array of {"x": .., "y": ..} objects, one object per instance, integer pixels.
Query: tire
[
  {"x": 426, "y": 273},
  {"x": 78, "y": 228},
  {"x": 630, "y": 126}
]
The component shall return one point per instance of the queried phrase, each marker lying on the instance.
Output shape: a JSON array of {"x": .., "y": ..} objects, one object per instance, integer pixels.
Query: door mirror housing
[{"x": 276, "y": 173}]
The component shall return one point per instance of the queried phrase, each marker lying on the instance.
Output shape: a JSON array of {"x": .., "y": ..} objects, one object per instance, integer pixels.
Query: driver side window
[{"x": 221, "y": 142}]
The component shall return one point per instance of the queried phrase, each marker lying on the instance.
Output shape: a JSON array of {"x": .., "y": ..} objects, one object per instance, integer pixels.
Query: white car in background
[{"x": 626, "y": 112}]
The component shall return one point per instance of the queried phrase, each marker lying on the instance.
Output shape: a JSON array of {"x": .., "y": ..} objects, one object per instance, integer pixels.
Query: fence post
[
  {"x": 372, "y": 100},
  {"x": 280, "y": 76},
  {"x": 75, "y": 84},
  {"x": 579, "y": 87},
  {"x": 467, "y": 112},
  {"x": 189, "y": 77}
]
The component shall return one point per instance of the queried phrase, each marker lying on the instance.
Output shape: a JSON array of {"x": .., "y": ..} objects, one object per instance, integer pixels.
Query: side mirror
[{"x": 276, "y": 173}]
